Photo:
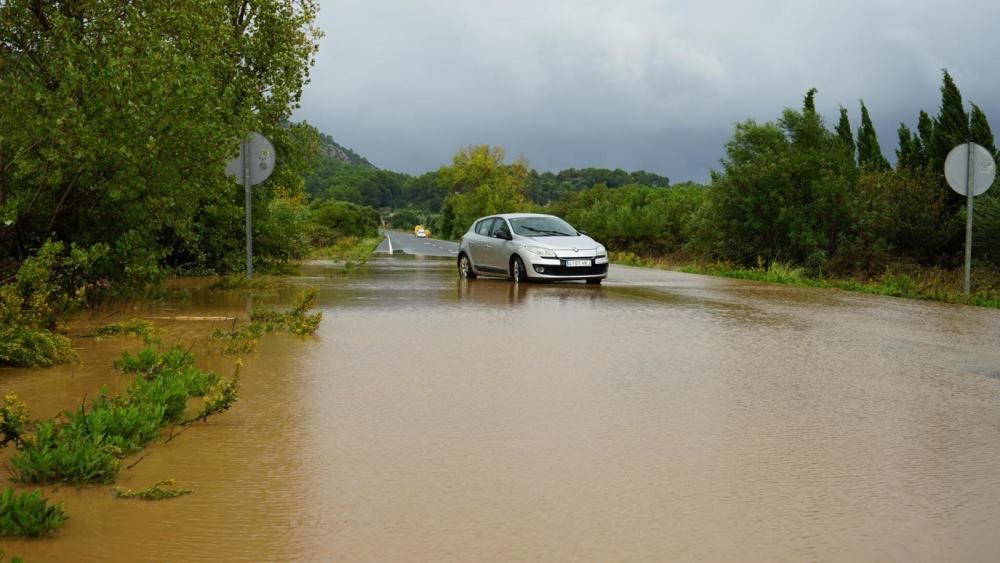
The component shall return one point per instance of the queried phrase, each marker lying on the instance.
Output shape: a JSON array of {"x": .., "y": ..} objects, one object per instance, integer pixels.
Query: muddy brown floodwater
[{"x": 660, "y": 417}]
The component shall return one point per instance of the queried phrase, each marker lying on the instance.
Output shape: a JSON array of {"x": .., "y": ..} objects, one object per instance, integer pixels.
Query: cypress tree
[
  {"x": 951, "y": 126},
  {"x": 905, "y": 153},
  {"x": 979, "y": 130},
  {"x": 844, "y": 131},
  {"x": 869, "y": 151},
  {"x": 809, "y": 104},
  {"x": 925, "y": 127}
]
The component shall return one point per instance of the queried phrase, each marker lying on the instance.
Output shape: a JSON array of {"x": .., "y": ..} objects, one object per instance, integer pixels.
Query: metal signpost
[
  {"x": 252, "y": 166},
  {"x": 970, "y": 171}
]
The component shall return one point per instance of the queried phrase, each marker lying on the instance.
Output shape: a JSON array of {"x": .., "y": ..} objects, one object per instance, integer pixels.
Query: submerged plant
[
  {"x": 159, "y": 491},
  {"x": 86, "y": 446},
  {"x": 220, "y": 398},
  {"x": 28, "y": 514},
  {"x": 138, "y": 327},
  {"x": 241, "y": 340},
  {"x": 295, "y": 320}
]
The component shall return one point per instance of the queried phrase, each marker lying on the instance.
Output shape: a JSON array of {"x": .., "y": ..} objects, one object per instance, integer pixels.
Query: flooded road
[{"x": 662, "y": 416}]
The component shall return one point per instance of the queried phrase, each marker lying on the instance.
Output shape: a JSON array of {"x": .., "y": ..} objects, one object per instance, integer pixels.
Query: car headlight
[
  {"x": 542, "y": 252},
  {"x": 601, "y": 251}
]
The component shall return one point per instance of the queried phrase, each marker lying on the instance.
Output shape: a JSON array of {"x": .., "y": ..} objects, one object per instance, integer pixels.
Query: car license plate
[{"x": 577, "y": 263}]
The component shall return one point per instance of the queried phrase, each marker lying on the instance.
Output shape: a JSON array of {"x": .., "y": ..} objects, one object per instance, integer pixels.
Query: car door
[
  {"x": 479, "y": 240},
  {"x": 496, "y": 247}
]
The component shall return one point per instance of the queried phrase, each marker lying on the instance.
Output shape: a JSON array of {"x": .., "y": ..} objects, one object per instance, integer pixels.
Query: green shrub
[
  {"x": 49, "y": 457},
  {"x": 14, "y": 420},
  {"x": 24, "y": 346},
  {"x": 28, "y": 514}
]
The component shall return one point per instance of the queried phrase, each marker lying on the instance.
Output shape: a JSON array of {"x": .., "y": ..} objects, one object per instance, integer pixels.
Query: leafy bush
[
  {"x": 14, "y": 420},
  {"x": 284, "y": 233},
  {"x": 48, "y": 287},
  {"x": 28, "y": 514},
  {"x": 333, "y": 220},
  {"x": 640, "y": 219}
]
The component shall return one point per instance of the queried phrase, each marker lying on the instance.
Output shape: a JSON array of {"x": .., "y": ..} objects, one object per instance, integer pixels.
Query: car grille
[{"x": 562, "y": 270}]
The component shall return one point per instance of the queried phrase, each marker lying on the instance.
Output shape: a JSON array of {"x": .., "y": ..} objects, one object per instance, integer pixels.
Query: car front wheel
[{"x": 517, "y": 274}]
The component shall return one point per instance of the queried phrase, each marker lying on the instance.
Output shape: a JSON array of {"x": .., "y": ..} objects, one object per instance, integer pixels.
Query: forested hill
[{"x": 333, "y": 149}]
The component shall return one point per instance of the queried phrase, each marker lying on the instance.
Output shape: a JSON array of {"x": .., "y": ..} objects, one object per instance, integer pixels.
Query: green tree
[
  {"x": 951, "y": 126},
  {"x": 480, "y": 183},
  {"x": 809, "y": 103},
  {"x": 117, "y": 119},
  {"x": 979, "y": 130},
  {"x": 908, "y": 153},
  {"x": 782, "y": 193},
  {"x": 844, "y": 132},
  {"x": 925, "y": 133},
  {"x": 869, "y": 151}
]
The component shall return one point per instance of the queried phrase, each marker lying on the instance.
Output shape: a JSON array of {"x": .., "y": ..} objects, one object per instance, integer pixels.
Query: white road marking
[{"x": 388, "y": 238}]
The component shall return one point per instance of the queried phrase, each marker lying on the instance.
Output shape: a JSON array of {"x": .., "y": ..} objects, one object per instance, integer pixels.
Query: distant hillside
[{"x": 335, "y": 150}]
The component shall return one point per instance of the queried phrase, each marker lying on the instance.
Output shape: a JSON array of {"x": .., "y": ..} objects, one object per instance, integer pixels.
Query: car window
[
  {"x": 483, "y": 227},
  {"x": 498, "y": 226},
  {"x": 542, "y": 227}
]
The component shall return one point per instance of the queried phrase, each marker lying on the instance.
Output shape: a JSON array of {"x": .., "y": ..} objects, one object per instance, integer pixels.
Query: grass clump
[
  {"x": 158, "y": 491},
  {"x": 138, "y": 327},
  {"x": 240, "y": 282},
  {"x": 899, "y": 280},
  {"x": 87, "y": 445},
  {"x": 28, "y": 514}
]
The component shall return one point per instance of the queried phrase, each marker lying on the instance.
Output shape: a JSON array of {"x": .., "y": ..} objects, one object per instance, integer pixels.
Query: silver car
[{"x": 529, "y": 246}]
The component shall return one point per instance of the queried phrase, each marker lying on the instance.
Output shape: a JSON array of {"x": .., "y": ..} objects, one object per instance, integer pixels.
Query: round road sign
[{"x": 956, "y": 168}]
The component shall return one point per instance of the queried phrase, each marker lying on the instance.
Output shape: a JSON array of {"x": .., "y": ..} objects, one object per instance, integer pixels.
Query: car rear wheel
[
  {"x": 517, "y": 274},
  {"x": 465, "y": 268}
]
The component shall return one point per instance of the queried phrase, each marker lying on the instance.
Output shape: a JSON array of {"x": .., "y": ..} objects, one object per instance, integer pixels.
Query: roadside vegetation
[{"x": 88, "y": 445}]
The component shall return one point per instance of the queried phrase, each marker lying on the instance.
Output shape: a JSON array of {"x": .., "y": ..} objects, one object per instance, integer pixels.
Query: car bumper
[{"x": 556, "y": 269}]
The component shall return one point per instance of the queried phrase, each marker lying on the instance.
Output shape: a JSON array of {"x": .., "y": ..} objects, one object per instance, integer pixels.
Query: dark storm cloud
[{"x": 636, "y": 84}]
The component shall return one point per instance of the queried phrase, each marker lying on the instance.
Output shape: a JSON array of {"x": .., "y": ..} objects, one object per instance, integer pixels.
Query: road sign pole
[
  {"x": 969, "y": 189},
  {"x": 249, "y": 205},
  {"x": 252, "y": 166}
]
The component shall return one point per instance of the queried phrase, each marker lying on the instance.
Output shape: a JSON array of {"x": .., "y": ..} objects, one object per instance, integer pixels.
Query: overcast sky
[{"x": 633, "y": 84}]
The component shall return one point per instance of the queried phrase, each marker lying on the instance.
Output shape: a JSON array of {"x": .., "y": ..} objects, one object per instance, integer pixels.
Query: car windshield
[{"x": 542, "y": 227}]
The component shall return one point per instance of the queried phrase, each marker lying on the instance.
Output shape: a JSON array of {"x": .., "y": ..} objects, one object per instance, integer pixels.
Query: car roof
[{"x": 519, "y": 215}]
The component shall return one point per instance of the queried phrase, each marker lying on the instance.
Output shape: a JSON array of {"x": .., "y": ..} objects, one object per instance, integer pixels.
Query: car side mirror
[
  {"x": 503, "y": 235},
  {"x": 582, "y": 233}
]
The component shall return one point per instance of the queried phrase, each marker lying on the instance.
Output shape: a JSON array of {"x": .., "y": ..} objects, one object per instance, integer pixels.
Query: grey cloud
[{"x": 636, "y": 84}]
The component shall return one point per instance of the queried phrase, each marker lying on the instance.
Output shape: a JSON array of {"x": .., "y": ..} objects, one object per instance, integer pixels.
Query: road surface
[{"x": 406, "y": 243}]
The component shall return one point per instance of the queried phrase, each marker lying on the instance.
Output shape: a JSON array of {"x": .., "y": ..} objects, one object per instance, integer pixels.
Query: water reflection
[{"x": 489, "y": 292}]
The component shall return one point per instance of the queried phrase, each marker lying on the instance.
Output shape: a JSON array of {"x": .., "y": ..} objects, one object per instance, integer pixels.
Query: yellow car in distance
[{"x": 420, "y": 232}]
